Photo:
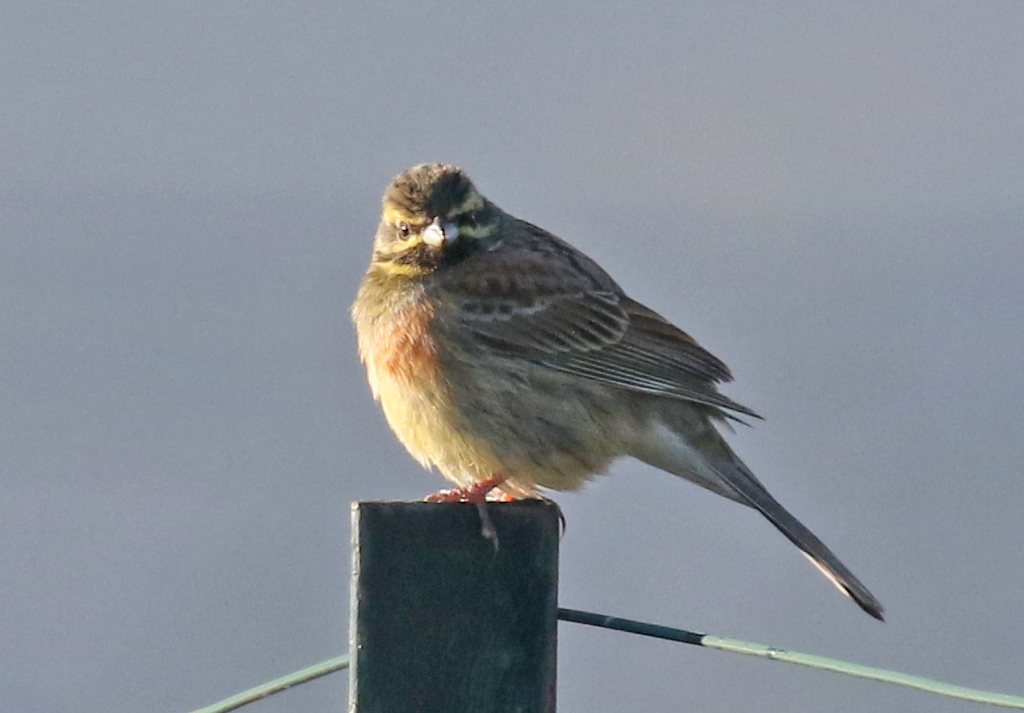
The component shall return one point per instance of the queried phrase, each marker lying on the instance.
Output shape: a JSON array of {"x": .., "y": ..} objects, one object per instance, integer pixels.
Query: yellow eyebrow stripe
[
  {"x": 474, "y": 201},
  {"x": 480, "y": 231},
  {"x": 395, "y": 215}
]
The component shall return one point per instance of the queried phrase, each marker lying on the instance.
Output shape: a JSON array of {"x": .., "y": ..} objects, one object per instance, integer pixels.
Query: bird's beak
[{"x": 437, "y": 233}]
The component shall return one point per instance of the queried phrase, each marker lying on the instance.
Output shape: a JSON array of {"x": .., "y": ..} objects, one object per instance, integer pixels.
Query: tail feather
[
  {"x": 714, "y": 466},
  {"x": 812, "y": 548}
]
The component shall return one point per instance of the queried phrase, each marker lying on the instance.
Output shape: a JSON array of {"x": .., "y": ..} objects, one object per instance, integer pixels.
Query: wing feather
[{"x": 551, "y": 307}]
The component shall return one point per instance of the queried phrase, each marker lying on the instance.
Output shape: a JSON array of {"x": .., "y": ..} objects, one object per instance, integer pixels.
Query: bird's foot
[
  {"x": 475, "y": 493},
  {"x": 499, "y": 496},
  {"x": 478, "y": 494}
]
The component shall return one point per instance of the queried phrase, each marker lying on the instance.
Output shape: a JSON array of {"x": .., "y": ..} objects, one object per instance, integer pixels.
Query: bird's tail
[
  {"x": 714, "y": 466},
  {"x": 813, "y": 548}
]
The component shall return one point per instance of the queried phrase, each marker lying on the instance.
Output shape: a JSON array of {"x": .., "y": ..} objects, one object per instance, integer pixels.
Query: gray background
[{"x": 827, "y": 195}]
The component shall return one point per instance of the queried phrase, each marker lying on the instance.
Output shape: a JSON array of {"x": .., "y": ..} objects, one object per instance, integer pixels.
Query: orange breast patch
[{"x": 400, "y": 349}]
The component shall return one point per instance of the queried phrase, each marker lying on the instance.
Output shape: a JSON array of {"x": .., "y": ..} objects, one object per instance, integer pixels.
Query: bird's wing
[{"x": 554, "y": 306}]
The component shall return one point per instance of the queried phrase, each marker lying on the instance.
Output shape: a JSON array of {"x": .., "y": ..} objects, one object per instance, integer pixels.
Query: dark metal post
[{"x": 441, "y": 622}]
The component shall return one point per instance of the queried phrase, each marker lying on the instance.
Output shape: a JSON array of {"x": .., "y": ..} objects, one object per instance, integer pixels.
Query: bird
[{"x": 515, "y": 365}]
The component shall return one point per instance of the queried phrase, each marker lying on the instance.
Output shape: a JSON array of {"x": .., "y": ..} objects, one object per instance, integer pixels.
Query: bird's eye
[
  {"x": 471, "y": 220},
  {"x": 404, "y": 230}
]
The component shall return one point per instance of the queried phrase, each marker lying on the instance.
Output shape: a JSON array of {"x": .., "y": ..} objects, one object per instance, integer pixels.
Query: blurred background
[{"x": 826, "y": 195}]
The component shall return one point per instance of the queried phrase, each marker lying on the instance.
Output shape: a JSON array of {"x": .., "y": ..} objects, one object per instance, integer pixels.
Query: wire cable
[
  {"x": 708, "y": 641},
  {"x": 277, "y": 685},
  {"x": 737, "y": 646}
]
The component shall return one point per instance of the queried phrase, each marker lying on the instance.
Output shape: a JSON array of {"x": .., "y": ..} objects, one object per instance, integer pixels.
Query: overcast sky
[{"x": 826, "y": 195}]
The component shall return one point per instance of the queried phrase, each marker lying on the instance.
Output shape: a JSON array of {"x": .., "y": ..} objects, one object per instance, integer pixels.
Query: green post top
[{"x": 445, "y": 622}]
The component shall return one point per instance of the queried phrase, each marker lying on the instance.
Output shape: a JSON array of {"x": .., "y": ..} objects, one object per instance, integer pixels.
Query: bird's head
[{"x": 433, "y": 215}]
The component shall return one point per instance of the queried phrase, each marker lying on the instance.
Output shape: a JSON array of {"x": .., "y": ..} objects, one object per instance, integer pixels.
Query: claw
[{"x": 563, "y": 525}]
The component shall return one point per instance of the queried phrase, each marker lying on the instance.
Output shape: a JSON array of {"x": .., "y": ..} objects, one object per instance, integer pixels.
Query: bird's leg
[{"x": 476, "y": 494}]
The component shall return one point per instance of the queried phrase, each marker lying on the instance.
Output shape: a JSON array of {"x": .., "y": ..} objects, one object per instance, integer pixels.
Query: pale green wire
[
  {"x": 277, "y": 685},
  {"x": 869, "y": 672},
  {"x": 820, "y": 662},
  {"x": 664, "y": 632}
]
